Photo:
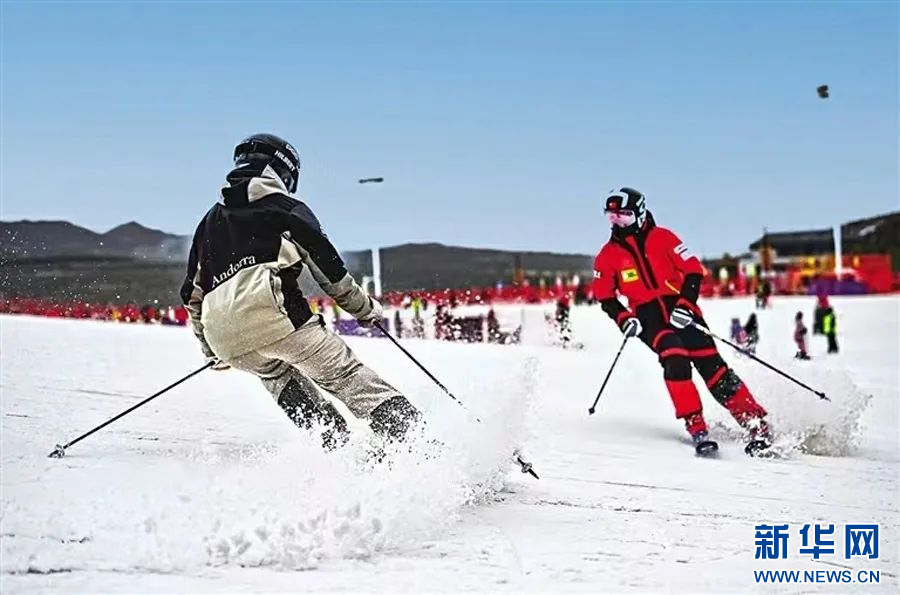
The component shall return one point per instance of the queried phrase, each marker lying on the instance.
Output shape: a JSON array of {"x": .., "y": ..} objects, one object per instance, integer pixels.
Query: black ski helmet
[
  {"x": 261, "y": 150},
  {"x": 627, "y": 199}
]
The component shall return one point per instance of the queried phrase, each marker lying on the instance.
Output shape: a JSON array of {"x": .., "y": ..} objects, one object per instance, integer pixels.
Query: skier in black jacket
[{"x": 247, "y": 309}]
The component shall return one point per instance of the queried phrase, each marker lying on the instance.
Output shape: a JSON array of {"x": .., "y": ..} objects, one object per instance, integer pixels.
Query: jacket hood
[{"x": 245, "y": 185}]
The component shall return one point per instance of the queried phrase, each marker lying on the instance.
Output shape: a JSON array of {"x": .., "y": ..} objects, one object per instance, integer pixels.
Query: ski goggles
[{"x": 621, "y": 217}]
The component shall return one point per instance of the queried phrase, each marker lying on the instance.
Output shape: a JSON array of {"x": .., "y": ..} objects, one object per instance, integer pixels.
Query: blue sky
[{"x": 494, "y": 124}]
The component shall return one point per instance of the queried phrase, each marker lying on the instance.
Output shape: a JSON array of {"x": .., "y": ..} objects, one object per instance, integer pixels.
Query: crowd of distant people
[
  {"x": 129, "y": 312},
  {"x": 524, "y": 294},
  {"x": 447, "y": 327},
  {"x": 165, "y": 314},
  {"x": 746, "y": 335}
]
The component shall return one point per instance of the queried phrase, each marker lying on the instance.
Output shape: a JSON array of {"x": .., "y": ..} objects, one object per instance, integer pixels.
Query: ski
[
  {"x": 759, "y": 448},
  {"x": 703, "y": 446},
  {"x": 759, "y": 440},
  {"x": 707, "y": 449}
]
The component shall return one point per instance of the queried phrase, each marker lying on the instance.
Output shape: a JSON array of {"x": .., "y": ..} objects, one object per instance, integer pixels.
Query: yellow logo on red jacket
[{"x": 629, "y": 275}]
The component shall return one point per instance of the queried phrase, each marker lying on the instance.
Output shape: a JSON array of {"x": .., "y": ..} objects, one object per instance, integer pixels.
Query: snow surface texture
[{"x": 210, "y": 489}]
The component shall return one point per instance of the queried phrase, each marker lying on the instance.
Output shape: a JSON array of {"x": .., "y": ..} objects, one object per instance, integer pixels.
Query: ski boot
[
  {"x": 304, "y": 405},
  {"x": 395, "y": 418},
  {"x": 395, "y": 421},
  {"x": 703, "y": 446},
  {"x": 696, "y": 427},
  {"x": 760, "y": 438}
]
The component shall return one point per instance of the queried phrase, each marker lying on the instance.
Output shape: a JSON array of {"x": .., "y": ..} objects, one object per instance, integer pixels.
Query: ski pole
[
  {"x": 526, "y": 467},
  {"x": 421, "y": 367},
  {"x": 752, "y": 356},
  {"x": 608, "y": 374},
  {"x": 60, "y": 450}
]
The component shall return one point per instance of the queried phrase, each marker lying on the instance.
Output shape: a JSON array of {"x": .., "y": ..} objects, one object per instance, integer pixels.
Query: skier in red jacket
[{"x": 660, "y": 278}]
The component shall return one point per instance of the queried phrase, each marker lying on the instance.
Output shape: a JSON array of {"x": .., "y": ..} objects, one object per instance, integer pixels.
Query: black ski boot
[
  {"x": 304, "y": 406},
  {"x": 703, "y": 446},
  {"x": 760, "y": 438},
  {"x": 696, "y": 427},
  {"x": 394, "y": 419}
]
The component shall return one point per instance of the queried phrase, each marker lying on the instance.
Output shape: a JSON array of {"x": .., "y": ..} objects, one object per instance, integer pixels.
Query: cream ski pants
[{"x": 322, "y": 357}]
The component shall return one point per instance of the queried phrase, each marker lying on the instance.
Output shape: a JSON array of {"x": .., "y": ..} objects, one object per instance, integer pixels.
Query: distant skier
[
  {"x": 654, "y": 270},
  {"x": 763, "y": 293},
  {"x": 740, "y": 337},
  {"x": 829, "y": 329},
  {"x": 751, "y": 330},
  {"x": 247, "y": 309},
  {"x": 563, "y": 325},
  {"x": 819, "y": 313},
  {"x": 825, "y": 322},
  {"x": 398, "y": 324},
  {"x": 800, "y": 332},
  {"x": 493, "y": 326},
  {"x": 443, "y": 324},
  {"x": 737, "y": 332},
  {"x": 418, "y": 322}
]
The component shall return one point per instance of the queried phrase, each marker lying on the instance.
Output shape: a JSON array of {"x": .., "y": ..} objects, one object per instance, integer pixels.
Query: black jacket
[{"x": 247, "y": 254}]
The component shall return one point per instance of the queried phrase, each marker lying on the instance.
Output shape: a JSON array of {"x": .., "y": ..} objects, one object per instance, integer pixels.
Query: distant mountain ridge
[
  {"x": 56, "y": 239},
  {"x": 49, "y": 245},
  {"x": 436, "y": 266}
]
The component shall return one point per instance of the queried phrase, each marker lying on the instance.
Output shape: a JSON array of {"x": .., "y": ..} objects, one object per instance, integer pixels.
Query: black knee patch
[
  {"x": 707, "y": 367},
  {"x": 394, "y": 418},
  {"x": 305, "y": 408},
  {"x": 726, "y": 386},
  {"x": 667, "y": 341},
  {"x": 676, "y": 367}
]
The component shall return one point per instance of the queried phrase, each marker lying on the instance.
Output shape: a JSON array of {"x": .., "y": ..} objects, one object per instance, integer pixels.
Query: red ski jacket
[{"x": 644, "y": 267}]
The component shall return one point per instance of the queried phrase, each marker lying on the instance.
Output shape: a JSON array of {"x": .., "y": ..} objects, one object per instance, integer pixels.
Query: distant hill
[
  {"x": 434, "y": 266},
  {"x": 57, "y": 259},
  {"x": 55, "y": 239}
]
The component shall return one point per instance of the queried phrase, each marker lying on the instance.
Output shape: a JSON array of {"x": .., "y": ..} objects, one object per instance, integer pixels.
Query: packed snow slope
[{"x": 210, "y": 489}]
